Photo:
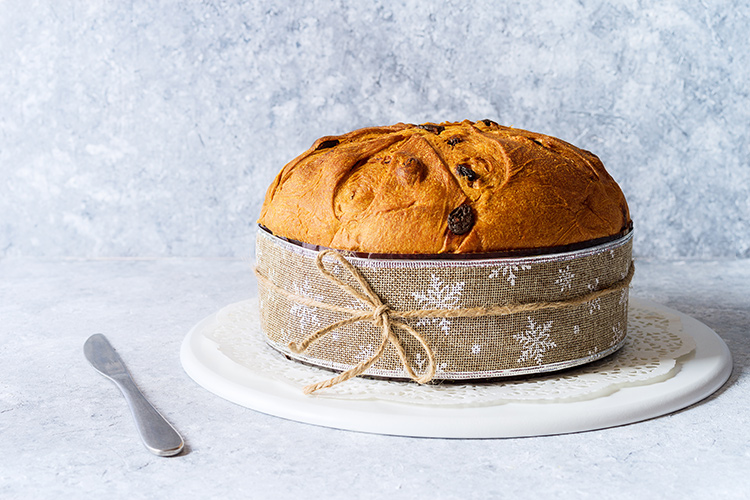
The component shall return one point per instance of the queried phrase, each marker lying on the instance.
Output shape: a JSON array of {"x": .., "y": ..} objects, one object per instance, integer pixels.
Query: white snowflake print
[
  {"x": 509, "y": 272},
  {"x": 336, "y": 267},
  {"x": 535, "y": 341},
  {"x": 365, "y": 352},
  {"x": 576, "y": 330},
  {"x": 595, "y": 305},
  {"x": 565, "y": 278},
  {"x": 594, "y": 286},
  {"x": 476, "y": 349},
  {"x": 307, "y": 316},
  {"x": 439, "y": 296},
  {"x": 421, "y": 361},
  {"x": 617, "y": 334}
]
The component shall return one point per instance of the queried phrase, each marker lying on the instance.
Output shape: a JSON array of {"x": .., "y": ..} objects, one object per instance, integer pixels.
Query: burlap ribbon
[{"x": 383, "y": 317}]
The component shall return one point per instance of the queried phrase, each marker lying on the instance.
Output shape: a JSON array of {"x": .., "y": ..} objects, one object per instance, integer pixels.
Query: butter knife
[{"x": 159, "y": 437}]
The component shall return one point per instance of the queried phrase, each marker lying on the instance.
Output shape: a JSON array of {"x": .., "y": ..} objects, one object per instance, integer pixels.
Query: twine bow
[{"x": 382, "y": 316}]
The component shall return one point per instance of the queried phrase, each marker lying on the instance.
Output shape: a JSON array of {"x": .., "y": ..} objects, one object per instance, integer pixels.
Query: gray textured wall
[{"x": 146, "y": 129}]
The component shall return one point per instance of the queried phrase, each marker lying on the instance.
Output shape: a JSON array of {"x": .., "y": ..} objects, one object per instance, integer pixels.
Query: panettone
[
  {"x": 457, "y": 251},
  {"x": 468, "y": 187}
]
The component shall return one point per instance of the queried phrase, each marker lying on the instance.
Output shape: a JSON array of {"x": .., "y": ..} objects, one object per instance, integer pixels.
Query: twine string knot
[
  {"x": 379, "y": 312},
  {"x": 380, "y": 315}
]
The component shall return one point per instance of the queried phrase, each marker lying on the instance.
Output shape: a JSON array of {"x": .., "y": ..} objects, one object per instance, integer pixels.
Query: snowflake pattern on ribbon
[
  {"x": 596, "y": 304},
  {"x": 421, "y": 361},
  {"x": 565, "y": 278},
  {"x": 618, "y": 333},
  {"x": 306, "y": 315},
  {"x": 365, "y": 352},
  {"x": 535, "y": 341},
  {"x": 509, "y": 272},
  {"x": 439, "y": 295},
  {"x": 593, "y": 286}
]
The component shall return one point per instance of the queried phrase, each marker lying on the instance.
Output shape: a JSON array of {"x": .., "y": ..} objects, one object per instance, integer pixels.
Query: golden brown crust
[{"x": 449, "y": 188}]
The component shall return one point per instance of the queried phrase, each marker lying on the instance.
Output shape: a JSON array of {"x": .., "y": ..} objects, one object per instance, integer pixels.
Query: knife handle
[{"x": 156, "y": 433}]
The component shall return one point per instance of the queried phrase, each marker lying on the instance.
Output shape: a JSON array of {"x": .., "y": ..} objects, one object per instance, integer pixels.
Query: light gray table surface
[{"x": 65, "y": 431}]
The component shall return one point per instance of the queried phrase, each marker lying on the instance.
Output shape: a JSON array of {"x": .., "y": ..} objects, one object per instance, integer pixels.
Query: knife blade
[{"x": 158, "y": 435}]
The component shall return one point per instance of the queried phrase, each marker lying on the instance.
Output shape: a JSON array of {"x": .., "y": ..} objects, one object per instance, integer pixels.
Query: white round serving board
[{"x": 699, "y": 376}]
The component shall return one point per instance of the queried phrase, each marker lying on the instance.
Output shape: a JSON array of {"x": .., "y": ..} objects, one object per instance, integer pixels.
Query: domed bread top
[{"x": 450, "y": 188}]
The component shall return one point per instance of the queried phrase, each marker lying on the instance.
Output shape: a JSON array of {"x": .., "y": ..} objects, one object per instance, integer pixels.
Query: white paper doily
[{"x": 670, "y": 361}]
